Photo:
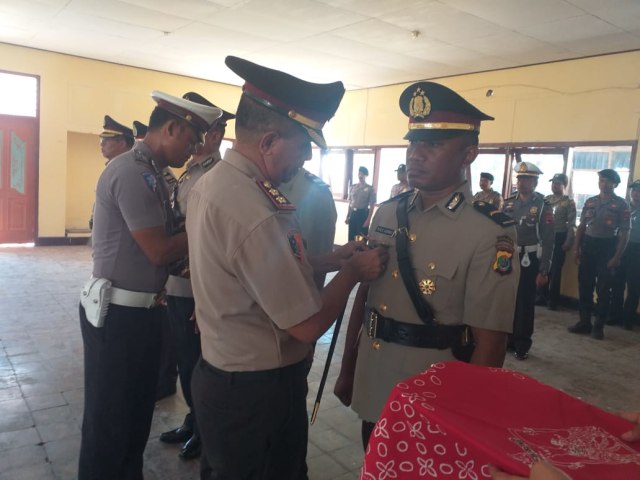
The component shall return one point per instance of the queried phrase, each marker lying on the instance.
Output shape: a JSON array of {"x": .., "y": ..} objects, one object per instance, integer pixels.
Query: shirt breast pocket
[{"x": 436, "y": 283}]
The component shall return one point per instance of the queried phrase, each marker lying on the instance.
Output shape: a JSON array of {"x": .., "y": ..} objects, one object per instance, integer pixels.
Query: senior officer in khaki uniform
[
  {"x": 257, "y": 306},
  {"x": 450, "y": 263},
  {"x": 564, "y": 227},
  {"x": 120, "y": 316},
  {"x": 600, "y": 242},
  {"x": 115, "y": 139},
  {"x": 488, "y": 194},
  {"x": 362, "y": 201},
  {"x": 180, "y": 303},
  {"x": 534, "y": 222}
]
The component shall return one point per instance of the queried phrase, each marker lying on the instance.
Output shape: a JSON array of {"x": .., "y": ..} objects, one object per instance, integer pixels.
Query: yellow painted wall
[{"x": 593, "y": 99}]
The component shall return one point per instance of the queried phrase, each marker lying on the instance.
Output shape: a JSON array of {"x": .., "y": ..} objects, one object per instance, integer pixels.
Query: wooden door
[{"x": 18, "y": 179}]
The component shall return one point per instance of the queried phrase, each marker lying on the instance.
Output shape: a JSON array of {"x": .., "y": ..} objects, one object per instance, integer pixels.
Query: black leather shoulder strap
[{"x": 404, "y": 263}]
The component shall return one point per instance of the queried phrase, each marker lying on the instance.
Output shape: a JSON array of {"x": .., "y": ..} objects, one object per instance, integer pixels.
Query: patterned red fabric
[{"x": 454, "y": 419}]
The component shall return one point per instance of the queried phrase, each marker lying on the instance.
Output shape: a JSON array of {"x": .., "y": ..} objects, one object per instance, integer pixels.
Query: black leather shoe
[
  {"x": 191, "y": 449},
  {"x": 518, "y": 355},
  {"x": 580, "y": 327},
  {"x": 177, "y": 435}
]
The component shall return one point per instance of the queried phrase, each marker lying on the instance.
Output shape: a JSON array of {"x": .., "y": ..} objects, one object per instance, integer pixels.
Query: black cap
[
  {"x": 561, "y": 178},
  {"x": 610, "y": 174},
  {"x": 437, "y": 112},
  {"x": 401, "y": 168},
  {"x": 139, "y": 129},
  {"x": 196, "y": 97},
  {"x": 486, "y": 175},
  {"x": 111, "y": 128},
  {"x": 635, "y": 184},
  {"x": 308, "y": 104},
  {"x": 364, "y": 170}
]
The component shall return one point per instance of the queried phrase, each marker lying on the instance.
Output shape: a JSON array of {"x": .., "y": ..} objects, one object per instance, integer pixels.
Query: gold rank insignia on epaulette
[
  {"x": 277, "y": 198},
  {"x": 455, "y": 201},
  {"x": 493, "y": 213}
]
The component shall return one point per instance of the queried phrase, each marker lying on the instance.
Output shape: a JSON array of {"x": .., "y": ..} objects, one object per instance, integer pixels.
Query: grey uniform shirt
[
  {"x": 455, "y": 247},
  {"x": 605, "y": 218},
  {"x": 179, "y": 286},
  {"x": 534, "y": 222},
  {"x": 564, "y": 215},
  {"x": 250, "y": 276},
  {"x": 361, "y": 196},
  {"x": 131, "y": 195},
  {"x": 634, "y": 233}
]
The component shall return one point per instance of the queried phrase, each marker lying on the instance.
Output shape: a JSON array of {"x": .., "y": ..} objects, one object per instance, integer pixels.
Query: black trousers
[
  {"x": 525, "y": 306},
  {"x": 356, "y": 222},
  {"x": 551, "y": 291},
  {"x": 168, "y": 373},
  {"x": 627, "y": 275},
  {"x": 120, "y": 374},
  {"x": 253, "y": 425},
  {"x": 593, "y": 273},
  {"x": 186, "y": 340}
]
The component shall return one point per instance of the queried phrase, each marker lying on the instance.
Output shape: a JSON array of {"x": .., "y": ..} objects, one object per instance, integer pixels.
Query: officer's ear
[
  {"x": 471, "y": 152},
  {"x": 267, "y": 141}
]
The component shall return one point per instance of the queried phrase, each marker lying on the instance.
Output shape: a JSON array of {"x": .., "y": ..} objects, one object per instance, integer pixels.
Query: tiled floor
[{"x": 41, "y": 387}]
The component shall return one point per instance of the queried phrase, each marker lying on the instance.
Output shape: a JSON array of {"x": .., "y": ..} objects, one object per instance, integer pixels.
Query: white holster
[{"x": 95, "y": 297}]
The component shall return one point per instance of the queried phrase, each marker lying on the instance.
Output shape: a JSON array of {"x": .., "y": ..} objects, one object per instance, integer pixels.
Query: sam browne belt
[{"x": 431, "y": 335}]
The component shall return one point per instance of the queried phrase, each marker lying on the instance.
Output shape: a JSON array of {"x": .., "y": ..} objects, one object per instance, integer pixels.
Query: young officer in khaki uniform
[
  {"x": 534, "y": 222},
  {"x": 180, "y": 303},
  {"x": 600, "y": 241},
  {"x": 403, "y": 185},
  {"x": 564, "y": 227},
  {"x": 133, "y": 243},
  {"x": 488, "y": 194},
  {"x": 257, "y": 306},
  {"x": 461, "y": 262},
  {"x": 362, "y": 201}
]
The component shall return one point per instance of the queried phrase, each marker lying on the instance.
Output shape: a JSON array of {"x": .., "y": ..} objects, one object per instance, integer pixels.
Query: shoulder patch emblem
[
  {"x": 295, "y": 242},
  {"x": 504, "y": 255},
  {"x": 494, "y": 214},
  {"x": 277, "y": 198},
  {"x": 150, "y": 181}
]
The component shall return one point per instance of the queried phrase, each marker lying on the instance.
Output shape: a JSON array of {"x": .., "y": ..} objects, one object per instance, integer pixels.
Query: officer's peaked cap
[
  {"x": 200, "y": 117},
  {"x": 308, "y": 104},
  {"x": 139, "y": 129},
  {"x": 486, "y": 175},
  {"x": 196, "y": 97},
  {"x": 437, "y": 112},
  {"x": 610, "y": 174},
  {"x": 527, "y": 169},
  {"x": 111, "y": 128}
]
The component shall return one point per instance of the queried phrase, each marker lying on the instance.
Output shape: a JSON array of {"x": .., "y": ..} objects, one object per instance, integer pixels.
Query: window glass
[
  {"x": 333, "y": 166},
  {"x": 492, "y": 163},
  {"x": 390, "y": 158},
  {"x": 18, "y": 95}
]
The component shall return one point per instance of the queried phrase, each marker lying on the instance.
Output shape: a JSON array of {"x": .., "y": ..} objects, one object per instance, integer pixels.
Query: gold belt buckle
[{"x": 373, "y": 324}]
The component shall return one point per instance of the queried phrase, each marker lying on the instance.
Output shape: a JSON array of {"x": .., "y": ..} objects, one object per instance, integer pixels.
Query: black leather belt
[
  {"x": 256, "y": 376},
  {"x": 410, "y": 334}
]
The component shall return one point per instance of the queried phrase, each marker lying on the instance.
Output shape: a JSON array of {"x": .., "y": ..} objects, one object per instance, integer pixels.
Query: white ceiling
[{"x": 364, "y": 43}]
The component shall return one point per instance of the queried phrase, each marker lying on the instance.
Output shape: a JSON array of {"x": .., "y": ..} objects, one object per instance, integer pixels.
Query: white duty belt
[
  {"x": 129, "y": 298},
  {"x": 525, "y": 261}
]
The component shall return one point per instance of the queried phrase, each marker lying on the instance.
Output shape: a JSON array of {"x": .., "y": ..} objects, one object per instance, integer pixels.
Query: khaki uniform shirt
[
  {"x": 361, "y": 196},
  {"x": 564, "y": 215},
  {"x": 534, "y": 222},
  {"x": 176, "y": 285},
  {"x": 131, "y": 195},
  {"x": 455, "y": 247},
  {"x": 605, "y": 218},
  {"x": 250, "y": 276},
  {"x": 491, "y": 197},
  {"x": 399, "y": 188}
]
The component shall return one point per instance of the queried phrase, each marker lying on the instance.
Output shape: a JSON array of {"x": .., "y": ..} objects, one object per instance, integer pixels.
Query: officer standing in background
[
  {"x": 362, "y": 200},
  {"x": 564, "y": 226},
  {"x": 316, "y": 214},
  {"x": 600, "y": 241},
  {"x": 115, "y": 139},
  {"x": 403, "y": 186},
  {"x": 257, "y": 306},
  {"x": 631, "y": 260},
  {"x": 180, "y": 303},
  {"x": 139, "y": 130},
  {"x": 120, "y": 315},
  {"x": 450, "y": 263},
  {"x": 486, "y": 193},
  {"x": 534, "y": 222}
]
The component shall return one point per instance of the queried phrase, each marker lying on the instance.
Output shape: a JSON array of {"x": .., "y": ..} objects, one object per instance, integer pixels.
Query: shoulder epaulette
[
  {"x": 277, "y": 198},
  {"x": 494, "y": 214},
  {"x": 315, "y": 179},
  {"x": 399, "y": 196}
]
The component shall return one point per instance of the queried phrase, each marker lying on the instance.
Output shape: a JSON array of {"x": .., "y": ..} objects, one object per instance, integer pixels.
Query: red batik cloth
[{"x": 454, "y": 419}]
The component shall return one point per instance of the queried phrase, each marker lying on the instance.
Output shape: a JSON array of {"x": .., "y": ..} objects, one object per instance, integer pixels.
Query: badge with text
[
  {"x": 150, "y": 180},
  {"x": 504, "y": 255},
  {"x": 295, "y": 242}
]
